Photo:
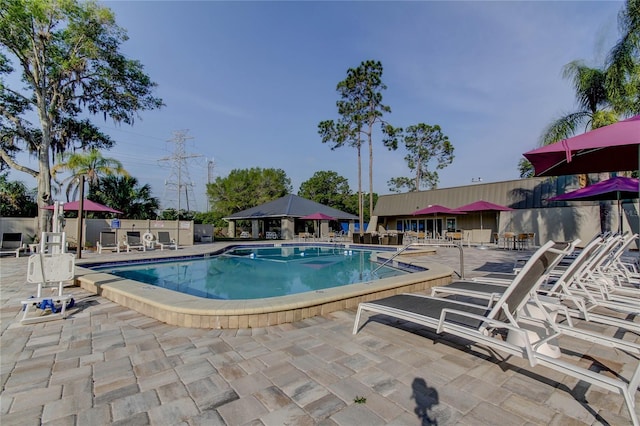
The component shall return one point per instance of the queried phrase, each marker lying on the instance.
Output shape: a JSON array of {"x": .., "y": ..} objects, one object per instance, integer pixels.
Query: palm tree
[
  {"x": 604, "y": 94},
  {"x": 91, "y": 166},
  {"x": 123, "y": 193},
  {"x": 87, "y": 165},
  {"x": 595, "y": 105},
  {"x": 623, "y": 61}
]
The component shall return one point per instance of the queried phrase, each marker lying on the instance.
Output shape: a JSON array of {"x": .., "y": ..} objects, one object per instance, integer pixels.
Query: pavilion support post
[{"x": 80, "y": 214}]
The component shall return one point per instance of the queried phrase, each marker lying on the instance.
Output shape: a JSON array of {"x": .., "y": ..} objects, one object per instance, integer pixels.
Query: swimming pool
[
  {"x": 259, "y": 272},
  {"x": 185, "y": 310}
]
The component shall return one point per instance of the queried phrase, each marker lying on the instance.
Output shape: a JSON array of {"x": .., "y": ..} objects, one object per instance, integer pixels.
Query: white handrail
[{"x": 449, "y": 244}]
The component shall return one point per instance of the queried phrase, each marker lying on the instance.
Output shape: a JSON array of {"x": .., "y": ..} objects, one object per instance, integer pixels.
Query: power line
[{"x": 179, "y": 179}]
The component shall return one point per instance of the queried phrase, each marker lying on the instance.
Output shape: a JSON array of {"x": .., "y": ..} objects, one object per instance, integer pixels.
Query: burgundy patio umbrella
[
  {"x": 85, "y": 206},
  {"x": 612, "y": 148},
  {"x": 88, "y": 206},
  {"x": 318, "y": 216},
  {"x": 482, "y": 206},
  {"x": 435, "y": 209},
  {"x": 616, "y": 188}
]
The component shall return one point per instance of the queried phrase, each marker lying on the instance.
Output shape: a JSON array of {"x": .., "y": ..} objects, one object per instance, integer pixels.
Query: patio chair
[
  {"x": 164, "y": 239},
  {"x": 561, "y": 291},
  {"x": 595, "y": 286},
  {"x": 411, "y": 237},
  {"x": 11, "y": 243},
  {"x": 521, "y": 241},
  {"x": 487, "y": 325},
  {"x": 496, "y": 238},
  {"x": 133, "y": 241},
  {"x": 108, "y": 241},
  {"x": 598, "y": 288},
  {"x": 271, "y": 235},
  {"x": 623, "y": 270},
  {"x": 366, "y": 238},
  {"x": 531, "y": 240},
  {"x": 509, "y": 238},
  {"x": 615, "y": 281},
  {"x": 49, "y": 270}
]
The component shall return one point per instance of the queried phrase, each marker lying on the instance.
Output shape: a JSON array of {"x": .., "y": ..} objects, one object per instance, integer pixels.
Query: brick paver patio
[{"x": 106, "y": 364}]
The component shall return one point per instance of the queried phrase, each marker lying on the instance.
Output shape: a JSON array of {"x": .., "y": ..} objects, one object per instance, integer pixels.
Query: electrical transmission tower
[{"x": 179, "y": 183}]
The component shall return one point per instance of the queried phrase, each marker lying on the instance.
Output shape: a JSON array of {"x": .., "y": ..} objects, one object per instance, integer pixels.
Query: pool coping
[{"x": 186, "y": 310}]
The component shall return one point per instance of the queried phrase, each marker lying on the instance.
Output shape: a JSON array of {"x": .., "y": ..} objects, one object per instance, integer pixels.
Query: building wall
[
  {"x": 568, "y": 223},
  {"x": 182, "y": 231},
  {"x": 552, "y": 223},
  {"x": 533, "y": 213},
  {"x": 26, "y": 225},
  {"x": 517, "y": 194}
]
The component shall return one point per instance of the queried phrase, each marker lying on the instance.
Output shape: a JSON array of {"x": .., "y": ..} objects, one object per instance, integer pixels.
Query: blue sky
[{"x": 250, "y": 81}]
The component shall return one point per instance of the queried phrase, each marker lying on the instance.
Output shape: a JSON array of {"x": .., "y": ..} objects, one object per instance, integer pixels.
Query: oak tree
[{"x": 69, "y": 68}]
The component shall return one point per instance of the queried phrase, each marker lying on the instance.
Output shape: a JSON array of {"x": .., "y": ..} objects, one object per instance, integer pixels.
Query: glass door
[{"x": 434, "y": 227}]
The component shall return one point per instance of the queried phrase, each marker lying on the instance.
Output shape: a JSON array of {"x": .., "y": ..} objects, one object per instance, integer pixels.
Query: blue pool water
[{"x": 253, "y": 273}]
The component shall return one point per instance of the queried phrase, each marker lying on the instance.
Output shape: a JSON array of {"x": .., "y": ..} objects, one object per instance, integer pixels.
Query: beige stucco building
[{"x": 532, "y": 212}]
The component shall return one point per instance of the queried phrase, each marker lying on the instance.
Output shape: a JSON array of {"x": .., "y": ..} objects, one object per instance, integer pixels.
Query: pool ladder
[{"x": 450, "y": 244}]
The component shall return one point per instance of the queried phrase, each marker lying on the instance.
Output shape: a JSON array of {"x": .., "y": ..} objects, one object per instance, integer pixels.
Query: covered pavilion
[{"x": 282, "y": 218}]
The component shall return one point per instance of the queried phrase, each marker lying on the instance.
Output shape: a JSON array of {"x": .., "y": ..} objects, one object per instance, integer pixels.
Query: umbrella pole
[
  {"x": 481, "y": 246},
  {"x": 620, "y": 227}
]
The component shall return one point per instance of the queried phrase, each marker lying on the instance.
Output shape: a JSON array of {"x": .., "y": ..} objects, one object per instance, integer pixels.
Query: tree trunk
[
  {"x": 418, "y": 173},
  {"x": 44, "y": 187},
  {"x": 370, "y": 175},
  {"x": 360, "y": 205},
  {"x": 44, "y": 171}
]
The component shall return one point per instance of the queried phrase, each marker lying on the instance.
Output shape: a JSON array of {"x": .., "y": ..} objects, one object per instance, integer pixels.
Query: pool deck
[{"x": 108, "y": 364}]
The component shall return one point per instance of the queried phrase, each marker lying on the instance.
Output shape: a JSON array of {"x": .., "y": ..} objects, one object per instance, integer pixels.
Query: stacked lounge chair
[
  {"x": 580, "y": 290},
  {"x": 507, "y": 326}
]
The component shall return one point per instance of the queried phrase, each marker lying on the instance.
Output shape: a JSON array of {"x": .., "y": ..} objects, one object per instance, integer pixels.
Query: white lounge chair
[
  {"x": 493, "y": 286},
  {"x": 595, "y": 288},
  {"x": 11, "y": 243},
  {"x": 133, "y": 241},
  {"x": 484, "y": 325},
  {"x": 608, "y": 276},
  {"x": 108, "y": 241},
  {"x": 575, "y": 301},
  {"x": 164, "y": 239},
  {"x": 626, "y": 270}
]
